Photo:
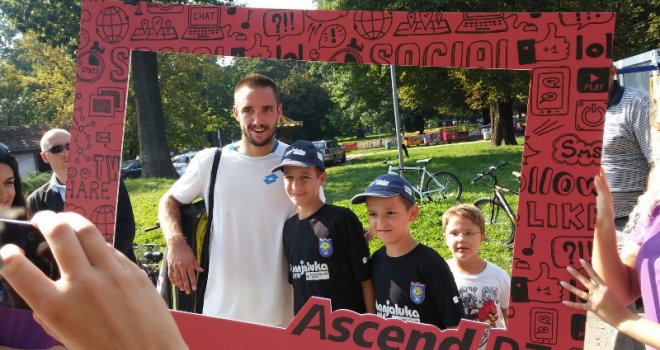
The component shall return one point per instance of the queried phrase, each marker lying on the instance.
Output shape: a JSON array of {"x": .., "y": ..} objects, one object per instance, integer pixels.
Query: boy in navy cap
[
  {"x": 412, "y": 281},
  {"x": 324, "y": 244}
]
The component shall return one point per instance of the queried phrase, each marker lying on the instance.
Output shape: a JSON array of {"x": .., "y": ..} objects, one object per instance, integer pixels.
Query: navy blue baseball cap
[
  {"x": 387, "y": 185},
  {"x": 301, "y": 154}
]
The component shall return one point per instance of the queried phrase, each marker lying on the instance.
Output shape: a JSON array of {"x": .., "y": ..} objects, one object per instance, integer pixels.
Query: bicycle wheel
[
  {"x": 443, "y": 185},
  {"x": 498, "y": 226}
]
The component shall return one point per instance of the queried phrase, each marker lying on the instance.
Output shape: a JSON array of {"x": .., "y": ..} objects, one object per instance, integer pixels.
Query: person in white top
[
  {"x": 247, "y": 273},
  {"x": 483, "y": 287}
]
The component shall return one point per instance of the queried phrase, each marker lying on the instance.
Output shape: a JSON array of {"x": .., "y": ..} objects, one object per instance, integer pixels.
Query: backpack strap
[{"x": 204, "y": 263}]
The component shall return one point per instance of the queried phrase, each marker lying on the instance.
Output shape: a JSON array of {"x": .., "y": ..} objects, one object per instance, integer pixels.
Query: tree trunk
[
  {"x": 418, "y": 123},
  {"x": 502, "y": 132},
  {"x": 506, "y": 118},
  {"x": 359, "y": 130},
  {"x": 485, "y": 116},
  {"x": 154, "y": 153}
]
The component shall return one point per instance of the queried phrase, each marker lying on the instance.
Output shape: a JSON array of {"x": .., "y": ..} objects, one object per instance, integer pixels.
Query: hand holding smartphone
[{"x": 33, "y": 244}]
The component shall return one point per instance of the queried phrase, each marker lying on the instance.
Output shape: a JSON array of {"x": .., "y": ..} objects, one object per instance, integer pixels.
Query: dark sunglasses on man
[{"x": 58, "y": 148}]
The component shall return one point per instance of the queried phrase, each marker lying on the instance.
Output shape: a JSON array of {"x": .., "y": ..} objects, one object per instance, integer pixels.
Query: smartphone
[{"x": 32, "y": 242}]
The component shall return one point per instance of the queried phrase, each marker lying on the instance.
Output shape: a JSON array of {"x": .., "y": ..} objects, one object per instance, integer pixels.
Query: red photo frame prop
[{"x": 569, "y": 55}]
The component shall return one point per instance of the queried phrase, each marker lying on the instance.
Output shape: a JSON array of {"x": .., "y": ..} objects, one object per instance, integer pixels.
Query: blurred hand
[
  {"x": 599, "y": 298},
  {"x": 101, "y": 301},
  {"x": 604, "y": 203}
]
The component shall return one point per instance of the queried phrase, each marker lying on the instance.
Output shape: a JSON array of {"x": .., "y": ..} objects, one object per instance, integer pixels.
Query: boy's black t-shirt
[
  {"x": 416, "y": 287},
  {"x": 328, "y": 257}
]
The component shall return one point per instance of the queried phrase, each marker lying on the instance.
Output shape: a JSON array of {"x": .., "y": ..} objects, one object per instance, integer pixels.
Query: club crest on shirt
[
  {"x": 325, "y": 247},
  {"x": 417, "y": 292}
]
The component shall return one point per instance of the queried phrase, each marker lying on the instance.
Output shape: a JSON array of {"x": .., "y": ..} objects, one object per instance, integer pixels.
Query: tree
[
  {"x": 497, "y": 91},
  {"x": 36, "y": 84},
  {"x": 361, "y": 94},
  {"x": 11, "y": 92},
  {"x": 425, "y": 93},
  {"x": 305, "y": 100},
  {"x": 57, "y": 23}
]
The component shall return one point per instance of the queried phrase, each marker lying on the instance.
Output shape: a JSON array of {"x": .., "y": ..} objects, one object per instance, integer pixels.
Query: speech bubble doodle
[
  {"x": 548, "y": 97},
  {"x": 583, "y": 19},
  {"x": 567, "y": 251},
  {"x": 283, "y": 23},
  {"x": 332, "y": 36}
]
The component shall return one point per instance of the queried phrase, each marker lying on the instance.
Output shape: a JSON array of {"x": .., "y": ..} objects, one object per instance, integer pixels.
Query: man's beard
[{"x": 252, "y": 141}]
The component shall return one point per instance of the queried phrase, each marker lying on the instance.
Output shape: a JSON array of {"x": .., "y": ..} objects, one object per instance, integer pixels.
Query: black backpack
[{"x": 196, "y": 227}]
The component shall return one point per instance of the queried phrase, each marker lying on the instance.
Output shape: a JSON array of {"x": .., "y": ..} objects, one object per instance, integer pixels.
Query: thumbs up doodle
[
  {"x": 551, "y": 48},
  {"x": 543, "y": 289}
]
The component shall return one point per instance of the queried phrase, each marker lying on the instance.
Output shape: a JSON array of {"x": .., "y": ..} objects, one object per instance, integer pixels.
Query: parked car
[
  {"x": 131, "y": 168},
  {"x": 181, "y": 161},
  {"x": 331, "y": 150}
]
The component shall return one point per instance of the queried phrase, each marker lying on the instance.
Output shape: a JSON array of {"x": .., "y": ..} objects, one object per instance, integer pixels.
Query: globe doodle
[
  {"x": 112, "y": 24},
  {"x": 373, "y": 25},
  {"x": 104, "y": 218}
]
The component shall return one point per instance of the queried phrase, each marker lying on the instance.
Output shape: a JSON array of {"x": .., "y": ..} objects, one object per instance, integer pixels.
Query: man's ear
[
  {"x": 43, "y": 157},
  {"x": 235, "y": 111}
]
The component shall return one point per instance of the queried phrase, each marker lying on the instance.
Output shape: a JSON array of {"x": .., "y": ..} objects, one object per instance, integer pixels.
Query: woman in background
[
  {"x": 11, "y": 193},
  {"x": 19, "y": 330},
  {"x": 616, "y": 281}
]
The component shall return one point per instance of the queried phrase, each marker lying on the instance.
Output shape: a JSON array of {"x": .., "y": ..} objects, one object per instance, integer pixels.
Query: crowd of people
[{"x": 271, "y": 224}]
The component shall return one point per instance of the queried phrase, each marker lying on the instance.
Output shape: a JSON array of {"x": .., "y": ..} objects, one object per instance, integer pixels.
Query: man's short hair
[
  {"x": 467, "y": 211},
  {"x": 258, "y": 80},
  {"x": 48, "y": 135}
]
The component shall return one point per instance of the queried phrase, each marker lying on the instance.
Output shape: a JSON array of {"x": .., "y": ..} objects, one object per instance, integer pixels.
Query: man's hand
[{"x": 182, "y": 266}]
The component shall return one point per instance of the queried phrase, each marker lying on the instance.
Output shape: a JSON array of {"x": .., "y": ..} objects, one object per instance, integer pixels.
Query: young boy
[
  {"x": 483, "y": 286},
  {"x": 324, "y": 244},
  {"x": 412, "y": 281}
]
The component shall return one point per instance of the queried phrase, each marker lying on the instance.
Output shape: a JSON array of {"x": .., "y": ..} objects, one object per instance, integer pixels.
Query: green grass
[
  {"x": 463, "y": 159},
  {"x": 145, "y": 194},
  {"x": 349, "y": 139}
]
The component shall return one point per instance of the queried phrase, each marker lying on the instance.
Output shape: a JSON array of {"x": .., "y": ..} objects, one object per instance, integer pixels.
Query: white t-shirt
[
  {"x": 247, "y": 267},
  {"x": 484, "y": 295}
]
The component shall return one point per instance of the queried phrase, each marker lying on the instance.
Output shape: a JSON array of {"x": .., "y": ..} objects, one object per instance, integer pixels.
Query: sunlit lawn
[{"x": 463, "y": 159}]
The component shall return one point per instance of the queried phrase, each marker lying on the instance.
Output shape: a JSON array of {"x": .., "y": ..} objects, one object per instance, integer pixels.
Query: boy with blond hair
[
  {"x": 412, "y": 282},
  {"x": 484, "y": 287},
  {"x": 324, "y": 244}
]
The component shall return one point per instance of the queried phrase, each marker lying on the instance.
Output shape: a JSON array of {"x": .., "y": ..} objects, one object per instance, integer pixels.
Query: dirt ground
[{"x": 598, "y": 334}]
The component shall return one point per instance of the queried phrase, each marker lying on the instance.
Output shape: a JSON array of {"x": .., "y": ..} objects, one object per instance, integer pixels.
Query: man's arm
[
  {"x": 125, "y": 226},
  {"x": 368, "y": 295},
  {"x": 31, "y": 204},
  {"x": 182, "y": 265}
]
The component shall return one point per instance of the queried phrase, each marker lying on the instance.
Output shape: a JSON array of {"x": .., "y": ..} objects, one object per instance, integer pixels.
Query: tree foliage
[
  {"x": 37, "y": 75},
  {"x": 36, "y": 84},
  {"x": 304, "y": 99}
]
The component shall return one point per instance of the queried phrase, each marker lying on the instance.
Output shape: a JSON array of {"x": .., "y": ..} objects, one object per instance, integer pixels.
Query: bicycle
[
  {"x": 434, "y": 186},
  {"x": 149, "y": 260},
  {"x": 500, "y": 217}
]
